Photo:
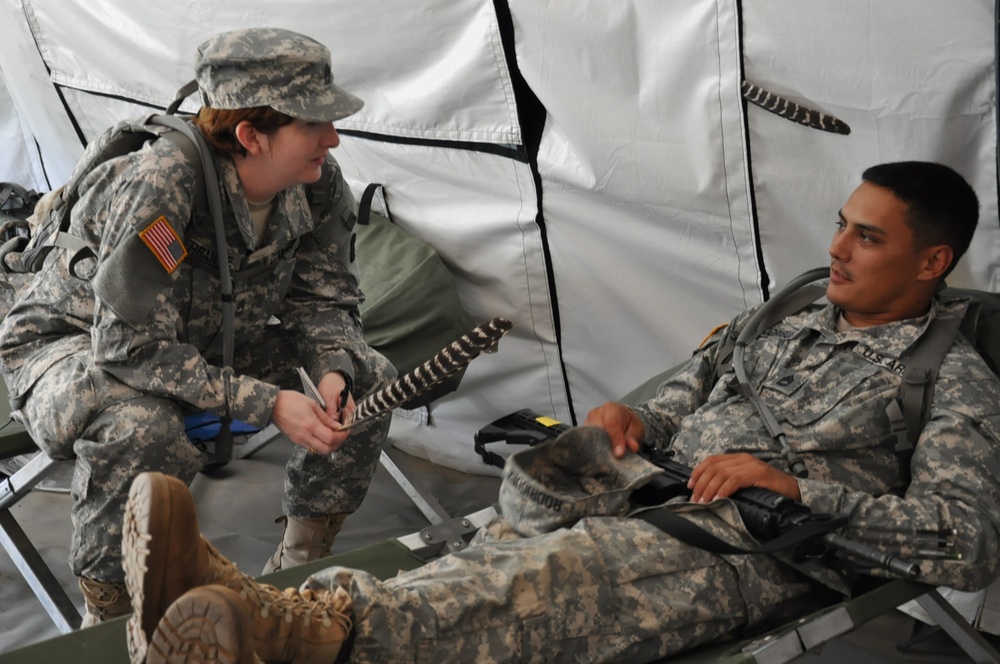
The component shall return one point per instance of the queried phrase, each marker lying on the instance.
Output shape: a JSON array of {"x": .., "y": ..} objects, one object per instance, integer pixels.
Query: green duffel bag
[{"x": 411, "y": 308}]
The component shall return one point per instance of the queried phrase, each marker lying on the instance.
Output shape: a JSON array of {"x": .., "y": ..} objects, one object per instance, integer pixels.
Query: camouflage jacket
[
  {"x": 156, "y": 325},
  {"x": 830, "y": 391}
]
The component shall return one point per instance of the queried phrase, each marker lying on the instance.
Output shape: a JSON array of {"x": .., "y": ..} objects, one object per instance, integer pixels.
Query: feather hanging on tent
[
  {"x": 447, "y": 361},
  {"x": 791, "y": 111}
]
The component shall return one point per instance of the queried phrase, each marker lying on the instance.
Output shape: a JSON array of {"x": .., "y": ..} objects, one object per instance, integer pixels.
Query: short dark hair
[
  {"x": 219, "y": 125},
  {"x": 941, "y": 206}
]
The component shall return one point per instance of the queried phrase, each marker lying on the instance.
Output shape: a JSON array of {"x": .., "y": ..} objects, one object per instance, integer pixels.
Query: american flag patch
[{"x": 166, "y": 245}]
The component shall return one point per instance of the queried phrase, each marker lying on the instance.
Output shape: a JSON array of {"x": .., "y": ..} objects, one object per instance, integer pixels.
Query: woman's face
[{"x": 297, "y": 151}]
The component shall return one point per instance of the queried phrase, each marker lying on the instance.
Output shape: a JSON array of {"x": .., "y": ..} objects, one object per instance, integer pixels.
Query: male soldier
[
  {"x": 566, "y": 575},
  {"x": 105, "y": 368}
]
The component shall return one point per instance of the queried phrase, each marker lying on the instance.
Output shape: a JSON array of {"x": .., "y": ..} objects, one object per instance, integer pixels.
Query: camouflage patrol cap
[
  {"x": 271, "y": 67},
  {"x": 555, "y": 484}
]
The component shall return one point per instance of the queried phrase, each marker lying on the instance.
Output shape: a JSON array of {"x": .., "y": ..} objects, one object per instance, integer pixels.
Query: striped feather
[
  {"x": 447, "y": 361},
  {"x": 791, "y": 111}
]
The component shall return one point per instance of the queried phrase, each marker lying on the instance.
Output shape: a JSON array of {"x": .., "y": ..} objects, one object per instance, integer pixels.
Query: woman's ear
[{"x": 252, "y": 140}]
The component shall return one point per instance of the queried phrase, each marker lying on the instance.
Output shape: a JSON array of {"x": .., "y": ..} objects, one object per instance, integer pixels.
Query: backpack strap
[
  {"x": 797, "y": 295},
  {"x": 909, "y": 411},
  {"x": 200, "y": 156},
  {"x": 190, "y": 150},
  {"x": 210, "y": 182}
]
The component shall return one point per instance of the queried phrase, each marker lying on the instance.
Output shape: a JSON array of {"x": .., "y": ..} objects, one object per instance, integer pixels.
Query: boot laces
[
  {"x": 313, "y": 607},
  {"x": 102, "y": 594}
]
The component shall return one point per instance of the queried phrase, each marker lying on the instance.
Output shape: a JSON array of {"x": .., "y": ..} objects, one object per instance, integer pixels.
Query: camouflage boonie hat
[
  {"x": 555, "y": 484},
  {"x": 271, "y": 67}
]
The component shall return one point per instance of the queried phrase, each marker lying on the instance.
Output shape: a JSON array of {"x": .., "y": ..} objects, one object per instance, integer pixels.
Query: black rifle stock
[{"x": 766, "y": 514}]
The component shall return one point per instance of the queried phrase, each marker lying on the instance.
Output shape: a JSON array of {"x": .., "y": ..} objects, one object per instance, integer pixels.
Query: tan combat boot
[
  {"x": 207, "y": 624},
  {"x": 304, "y": 540},
  {"x": 104, "y": 601},
  {"x": 165, "y": 556}
]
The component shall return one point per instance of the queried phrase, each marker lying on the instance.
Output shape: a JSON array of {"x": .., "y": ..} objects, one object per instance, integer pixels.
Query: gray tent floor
[{"x": 236, "y": 510}]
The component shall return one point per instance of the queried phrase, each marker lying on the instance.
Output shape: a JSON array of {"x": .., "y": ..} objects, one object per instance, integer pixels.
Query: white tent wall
[
  {"x": 645, "y": 193},
  {"x": 650, "y": 205},
  {"x": 469, "y": 206},
  {"x": 914, "y": 80},
  {"x": 20, "y": 167}
]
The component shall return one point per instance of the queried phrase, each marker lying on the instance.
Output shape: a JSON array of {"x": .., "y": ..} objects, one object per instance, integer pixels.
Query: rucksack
[
  {"x": 29, "y": 238},
  {"x": 16, "y": 204}
]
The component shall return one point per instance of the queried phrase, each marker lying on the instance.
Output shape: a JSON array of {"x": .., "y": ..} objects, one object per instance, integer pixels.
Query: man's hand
[
  {"x": 301, "y": 419},
  {"x": 622, "y": 424},
  {"x": 721, "y": 475}
]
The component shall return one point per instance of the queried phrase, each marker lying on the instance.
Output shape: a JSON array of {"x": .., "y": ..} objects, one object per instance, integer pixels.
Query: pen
[{"x": 310, "y": 389}]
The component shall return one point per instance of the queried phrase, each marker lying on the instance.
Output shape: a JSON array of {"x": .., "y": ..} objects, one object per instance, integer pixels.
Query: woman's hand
[{"x": 305, "y": 423}]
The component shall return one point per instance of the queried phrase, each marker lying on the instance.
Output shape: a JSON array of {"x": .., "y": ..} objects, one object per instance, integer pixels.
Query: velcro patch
[{"x": 165, "y": 243}]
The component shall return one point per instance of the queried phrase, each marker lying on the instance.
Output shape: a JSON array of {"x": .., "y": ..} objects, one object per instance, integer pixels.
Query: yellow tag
[{"x": 547, "y": 421}]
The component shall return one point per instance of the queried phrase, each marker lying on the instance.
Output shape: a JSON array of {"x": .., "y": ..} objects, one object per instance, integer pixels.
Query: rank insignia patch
[{"x": 165, "y": 243}]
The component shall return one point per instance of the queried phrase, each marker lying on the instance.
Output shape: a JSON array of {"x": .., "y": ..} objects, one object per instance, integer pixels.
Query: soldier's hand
[
  {"x": 339, "y": 402},
  {"x": 621, "y": 423},
  {"x": 301, "y": 419},
  {"x": 721, "y": 475}
]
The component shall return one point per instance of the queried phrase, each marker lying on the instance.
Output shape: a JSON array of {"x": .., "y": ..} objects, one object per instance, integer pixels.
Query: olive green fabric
[{"x": 411, "y": 308}]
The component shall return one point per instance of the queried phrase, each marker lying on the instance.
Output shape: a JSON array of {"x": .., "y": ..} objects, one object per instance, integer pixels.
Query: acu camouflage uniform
[
  {"x": 564, "y": 575},
  {"x": 106, "y": 367}
]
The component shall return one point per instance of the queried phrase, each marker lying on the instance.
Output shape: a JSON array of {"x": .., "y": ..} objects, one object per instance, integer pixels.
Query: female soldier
[{"x": 105, "y": 368}]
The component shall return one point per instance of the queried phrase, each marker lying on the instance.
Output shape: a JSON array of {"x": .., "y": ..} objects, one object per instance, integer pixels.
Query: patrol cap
[
  {"x": 555, "y": 484},
  {"x": 271, "y": 67}
]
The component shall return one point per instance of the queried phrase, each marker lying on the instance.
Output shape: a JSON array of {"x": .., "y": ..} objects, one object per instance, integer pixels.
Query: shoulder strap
[
  {"x": 909, "y": 411},
  {"x": 196, "y": 150},
  {"x": 797, "y": 295},
  {"x": 190, "y": 150}
]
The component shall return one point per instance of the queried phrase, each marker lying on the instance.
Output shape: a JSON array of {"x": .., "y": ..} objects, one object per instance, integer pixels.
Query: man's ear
[
  {"x": 249, "y": 137},
  {"x": 937, "y": 260}
]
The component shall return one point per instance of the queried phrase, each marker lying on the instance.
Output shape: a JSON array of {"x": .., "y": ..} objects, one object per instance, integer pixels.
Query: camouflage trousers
[
  {"x": 115, "y": 432},
  {"x": 601, "y": 588}
]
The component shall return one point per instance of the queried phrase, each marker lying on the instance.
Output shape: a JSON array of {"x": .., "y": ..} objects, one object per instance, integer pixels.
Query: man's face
[{"x": 876, "y": 273}]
